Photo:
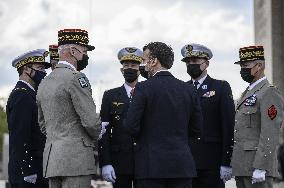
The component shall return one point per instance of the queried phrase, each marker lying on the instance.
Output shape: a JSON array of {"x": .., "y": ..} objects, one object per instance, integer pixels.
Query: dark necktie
[
  {"x": 196, "y": 83},
  {"x": 131, "y": 93}
]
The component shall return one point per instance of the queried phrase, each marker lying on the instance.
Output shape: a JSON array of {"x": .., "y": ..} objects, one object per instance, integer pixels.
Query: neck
[
  {"x": 257, "y": 77},
  {"x": 26, "y": 78},
  {"x": 132, "y": 84},
  {"x": 70, "y": 60},
  {"x": 204, "y": 73}
]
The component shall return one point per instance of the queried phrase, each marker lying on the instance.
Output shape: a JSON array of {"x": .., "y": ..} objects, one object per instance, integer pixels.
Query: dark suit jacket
[
  {"x": 162, "y": 116},
  {"x": 215, "y": 147},
  {"x": 116, "y": 145},
  {"x": 26, "y": 142}
]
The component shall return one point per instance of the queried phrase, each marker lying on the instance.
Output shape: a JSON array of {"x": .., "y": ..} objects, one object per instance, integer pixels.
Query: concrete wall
[{"x": 269, "y": 32}]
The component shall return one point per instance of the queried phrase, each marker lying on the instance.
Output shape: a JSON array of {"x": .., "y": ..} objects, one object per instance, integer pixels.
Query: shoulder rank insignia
[
  {"x": 83, "y": 82},
  {"x": 272, "y": 112},
  {"x": 22, "y": 88},
  {"x": 250, "y": 101},
  {"x": 117, "y": 103},
  {"x": 209, "y": 94}
]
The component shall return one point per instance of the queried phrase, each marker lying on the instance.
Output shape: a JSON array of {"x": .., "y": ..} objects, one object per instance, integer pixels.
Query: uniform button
[
  {"x": 235, "y": 141},
  {"x": 198, "y": 138},
  {"x": 235, "y": 130},
  {"x": 236, "y": 120},
  {"x": 134, "y": 144},
  {"x": 265, "y": 155},
  {"x": 268, "y": 139}
]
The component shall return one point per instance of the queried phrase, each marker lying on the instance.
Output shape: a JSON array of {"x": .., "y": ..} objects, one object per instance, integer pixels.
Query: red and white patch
[{"x": 272, "y": 112}]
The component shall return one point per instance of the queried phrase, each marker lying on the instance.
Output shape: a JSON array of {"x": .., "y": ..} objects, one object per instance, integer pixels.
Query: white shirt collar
[
  {"x": 200, "y": 81},
  {"x": 257, "y": 82},
  {"x": 28, "y": 84},
  {"x": 66, "y": 63},
  {"x": 161, "y": 71},
  {"x": 128, "y": 89}
]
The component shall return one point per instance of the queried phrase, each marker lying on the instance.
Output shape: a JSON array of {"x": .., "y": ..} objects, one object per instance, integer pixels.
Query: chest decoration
[
  {"x": 209, "y": 94},
  {"x": 204, "y": 87},
  {"x": 117, "y": 103},
  {"x": 272, "y": 112},
  {"x": 250, "y": 101}
]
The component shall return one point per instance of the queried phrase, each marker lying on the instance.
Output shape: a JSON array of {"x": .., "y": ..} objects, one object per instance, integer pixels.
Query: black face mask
[
  {"x": 81, "y": 64},
  {"x": 130, "y": 75},
  {"x": 143, "y": 72},
  {"x": 246, "y": 75},
  {"x": 38, "y": 76},
  {"x": 194, "y": 70}
]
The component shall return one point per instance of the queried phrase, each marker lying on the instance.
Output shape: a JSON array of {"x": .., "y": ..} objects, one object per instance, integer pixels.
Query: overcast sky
[{"x": 224, "y": 26}]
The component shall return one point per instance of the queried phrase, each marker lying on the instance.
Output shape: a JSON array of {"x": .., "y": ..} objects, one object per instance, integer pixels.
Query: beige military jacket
[
  {"x": 259, "y": 114},
  {"x": 67, "y": 115}
]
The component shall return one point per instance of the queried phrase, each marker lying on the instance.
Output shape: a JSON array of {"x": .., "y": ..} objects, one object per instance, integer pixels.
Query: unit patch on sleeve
[
  {"x": 272, "y": 112},
  {"x": 83, "y": 82}
]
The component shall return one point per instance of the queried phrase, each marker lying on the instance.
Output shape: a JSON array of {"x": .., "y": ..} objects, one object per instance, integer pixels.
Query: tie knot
[
  {"x": 196, "y": 83},
  {"x": 131, "y": 92}
]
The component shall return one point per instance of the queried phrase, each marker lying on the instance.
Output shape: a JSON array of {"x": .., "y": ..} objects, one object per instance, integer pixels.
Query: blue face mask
[{"x": 38, "y": 76}]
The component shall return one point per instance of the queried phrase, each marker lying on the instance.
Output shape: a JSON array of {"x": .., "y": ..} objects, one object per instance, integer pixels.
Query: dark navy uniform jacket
[
  {"x": 163, "y": 114},
  {"x": 215, "y": 147},
  {"x": 116, "y": 145},
  {"x": 26, "y": 142}
]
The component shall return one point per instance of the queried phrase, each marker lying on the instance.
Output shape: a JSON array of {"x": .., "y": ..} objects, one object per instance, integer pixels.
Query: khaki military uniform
[
  {"x": 67, "y": 115},
  {"x": 259, "y": 114}
]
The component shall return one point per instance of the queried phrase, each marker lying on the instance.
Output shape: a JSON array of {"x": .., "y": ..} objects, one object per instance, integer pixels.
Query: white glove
[
  {"x": 258, "y": 176},
  {"x": 108, "y": 173},
  {"x": 103, "y": 129},
  {"x": 31, "y": 178},
  {"x": 225, "y": 173}
]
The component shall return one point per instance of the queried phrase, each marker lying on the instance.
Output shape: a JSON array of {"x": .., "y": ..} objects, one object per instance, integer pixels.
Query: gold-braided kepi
[
  {"x": 53, "y": 52},
  {"x": 74, "y": 36},
  {"x": 250, "y": 53}
]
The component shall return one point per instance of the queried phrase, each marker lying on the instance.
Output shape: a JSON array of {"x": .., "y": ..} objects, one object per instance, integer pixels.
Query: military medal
[{"x": 250, "y": 101}]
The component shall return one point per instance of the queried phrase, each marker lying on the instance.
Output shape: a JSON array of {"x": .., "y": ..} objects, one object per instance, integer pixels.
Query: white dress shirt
[
  {"x": 255, "y": 83},
  {"x": 128, "y": 89},
  {"x": 28, "y": 84},
  {"x": 66, "y": 63},
  {"x": 200, "y": 81}
]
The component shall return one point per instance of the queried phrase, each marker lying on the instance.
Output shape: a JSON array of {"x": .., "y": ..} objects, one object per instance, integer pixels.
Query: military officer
[
  {"x": 116, "y": 146},
  {"x": 259, "y": 114},
  {"x": 54, "y": 56},
  {"x": 218, "y": 114},
  {"x": 67, "y": 115},
  {"x": 26, "y": 141}
]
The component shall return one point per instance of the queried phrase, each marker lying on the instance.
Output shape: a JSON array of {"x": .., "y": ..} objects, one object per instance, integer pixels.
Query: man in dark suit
[
  {"x": 26, "y": 142},
  {"x": 115, "y": 145},
  {"x": 212, "y": 152},
  {"x": 162, "y": 116}
]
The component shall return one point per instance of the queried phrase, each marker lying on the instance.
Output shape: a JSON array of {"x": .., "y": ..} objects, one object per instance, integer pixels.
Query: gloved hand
[
  {"x": 108, "y": 173},
  {"x": 225, "y": 173},
  {"x": 258, "y": 176},
  {"x": 31, "y": 178},
  {"x": 103, "y": 129}
]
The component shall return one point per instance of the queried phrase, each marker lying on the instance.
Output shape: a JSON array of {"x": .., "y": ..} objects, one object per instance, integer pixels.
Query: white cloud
[{"x": 115, "y": 24}]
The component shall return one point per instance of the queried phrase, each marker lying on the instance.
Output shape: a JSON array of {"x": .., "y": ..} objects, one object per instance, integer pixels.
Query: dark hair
[{"x": 162, "y": 52}]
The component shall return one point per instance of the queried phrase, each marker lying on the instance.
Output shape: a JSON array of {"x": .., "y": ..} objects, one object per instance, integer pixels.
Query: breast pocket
[{"x": 250, "y": 114}]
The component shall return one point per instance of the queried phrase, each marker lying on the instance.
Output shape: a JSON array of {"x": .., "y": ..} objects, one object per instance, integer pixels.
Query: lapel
[
  {"x": 122, "y": 95},
  {"x": 205, "y": 86},
  {"x": 251, "y": 92},
  {"x": 27, "y": 88}
]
